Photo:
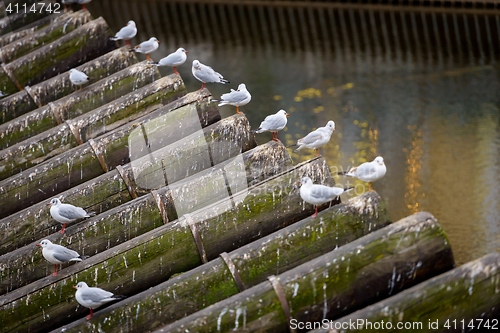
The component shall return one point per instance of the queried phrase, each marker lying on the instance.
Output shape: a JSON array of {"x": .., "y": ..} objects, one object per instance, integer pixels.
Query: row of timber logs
[
  {"x": 73, "y": 132},
  {"x": 86, "y": 42},
  {"x": 78, "y": 103},
  {"x": 466, "y": 299},
  {"x": 16, "y": 19},
  {"x": 135, "y": 217},
  {"x": 359, "y": 273},
  {"x": 60, "y": 26},
  {"x": 98, "y": 156},
  {"x": 146, "y": 260},
  {"x": 253, "y": 263},
  {"x": 59, "y": 86}
]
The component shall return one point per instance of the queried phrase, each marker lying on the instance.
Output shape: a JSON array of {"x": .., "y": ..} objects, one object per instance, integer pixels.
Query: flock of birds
[{"x": 315, "y": 194}]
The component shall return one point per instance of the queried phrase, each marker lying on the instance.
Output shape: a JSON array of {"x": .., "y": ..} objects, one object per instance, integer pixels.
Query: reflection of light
[{"x": 414, "y": 164}]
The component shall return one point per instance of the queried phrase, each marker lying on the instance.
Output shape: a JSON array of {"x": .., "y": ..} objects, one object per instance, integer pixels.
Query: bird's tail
[
  {"x": 90, "y": 214},
  {"x": 347, "y": 189},
  {"x": 345, "y": 173},
  {"x": 118, "y": 297},
  {"x": 113, "y": 38},
  {"x": 224, "y": 81},
  {"x": 76, "y": 259}
]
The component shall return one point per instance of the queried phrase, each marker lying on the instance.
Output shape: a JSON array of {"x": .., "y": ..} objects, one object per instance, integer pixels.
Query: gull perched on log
[
  {"x": 236, "y": 98},
  {"x": 317, "y": 138},
  {"x": 274, "y": 123},
  {"x": 78, "y": 78},
  {"x": 57, "y": 254},
  {"x": 93, "y": 297},
  {"x": 126, "y": 33},
  {"x": 368, "y": 171},
  {"x": 147, "y": 47},
  {"x": 316, "y": 194},
  {"x": 174, "y": 59},
  {"x": 65, "y": 213},
  {"x": 206, "y": 74}
]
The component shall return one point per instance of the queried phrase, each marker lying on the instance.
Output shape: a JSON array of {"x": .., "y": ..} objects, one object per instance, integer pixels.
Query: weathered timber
[
  {"x": 273, "y": 254},
  {"x": 134, "y": 218},
  {"x": 78, "y": 103},
  {"x": 368, "y": 269},
  {"x": 86, "y": 42},
  {"x": 467, "y": 295},
  {"x": 60, "y": 26},
  {"x": 92, "y": 159},
  {"x": 59, "y": 86},
  {"x": 151, "y": 258},
  {"x": 41, "y": 147}
]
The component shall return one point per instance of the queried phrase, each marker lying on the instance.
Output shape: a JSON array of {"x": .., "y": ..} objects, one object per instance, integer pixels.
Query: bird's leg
[
  {"x": 202, "y": 85},
  {"x": 90, "y": 315},
  {"x": 55, "y": 270},
  {"x": 148, "y": 57},
  {"x": 275, "y": 137},
  {"x": 127, "y": 42},
  {"x": 63, "y": 229},
  {"x": 175, "y": 71},
  {"x": 316, "y": 150},
  {"x": 83, "y": 7},
  {"x": 315, "y": 213},
  {"x": 238, "y": 110},
  {"x": 370, "y": 188}
]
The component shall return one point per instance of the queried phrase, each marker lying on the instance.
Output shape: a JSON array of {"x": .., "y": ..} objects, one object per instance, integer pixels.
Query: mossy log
[
  {"x": 86, "y": 42},
  {"x": 151, "y": 258},
  {"x": 60, "y": 26},
  {"x": 78, "y": 103},
  {"x": 93, "y": 158},
  {"x": 17, "y": 19},
  {"x": 462, "y": 299},
  {"x": 366, "y": 270},
  {"x": 213, "y": 282},
  {"x": 59, "y": 86},
  {"x": 43, "y": 146},
  {"x": 112, "y": 222}
]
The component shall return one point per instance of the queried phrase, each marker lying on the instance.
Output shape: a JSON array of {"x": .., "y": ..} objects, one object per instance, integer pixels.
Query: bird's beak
[
  {"x": 186, "y": 52},
  {"x": 48, "y": 204},
  {"x": 287, "y": 114},
  {"x": 38, "y": 245},
  {"x": 158, "y": 42},
  {"x": 74, "y": 287}
]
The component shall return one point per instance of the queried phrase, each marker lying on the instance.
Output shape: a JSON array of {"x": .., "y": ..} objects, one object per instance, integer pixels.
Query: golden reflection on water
[{"x": 413, "y": 171}]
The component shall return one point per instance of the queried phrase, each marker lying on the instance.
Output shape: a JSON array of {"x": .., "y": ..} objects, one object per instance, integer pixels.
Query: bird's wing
[
  {"x": 63, "y": 254},
  {"x": 95, "y": 295},
  {"x": 172, "y": 58},
  {"x": 323, "y": 192},
  {"x": 366, "y": 169},
  {"x": 273, "y": 122},
  {"x": 71, "y": 212},
  {"x": 234, "y": 96},
  {"x": 311, "y": 138}
]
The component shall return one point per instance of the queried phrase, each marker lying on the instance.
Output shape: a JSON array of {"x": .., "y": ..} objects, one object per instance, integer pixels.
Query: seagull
[
  {"x": 64, "y": 213},
  {"x": 174, "y": 59},
  {"x": 273, "y": 123},
  {"x": 126, "y": 33},
  {"x": 147, "y": 47},
  {"x": 206, "y": 74},
  {"x": 93, "y": 297},
  {"x": 77, "y": 77},
  {"x": 368, "y": 171},
  {"x": 317, "y": 138},
  {"x": 316, "y": 194},
  {"x": 57, "y": 254},
  {"x": 237, "y": 98}
]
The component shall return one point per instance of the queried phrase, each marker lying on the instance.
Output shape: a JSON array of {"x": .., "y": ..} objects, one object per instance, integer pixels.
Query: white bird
[
  {"x": 236, "y": 98},
  {"x": 317, "y": 138},
  {"x": 65, "y": 213},
  {"x": 174, "y": 59},
  {"x": 316, "y": 194},
  {"x": 206, "y": 74},
  {"x": 126, "y": 33},
  {"x": 57, "y": 254},
  {"x": 368, "y": 171},
  {"x": 93, "y": 297},
  {"x": 274, "y": 123},
  {"x": 77, "y": 77},
  {"x": 147, "y": 47}
]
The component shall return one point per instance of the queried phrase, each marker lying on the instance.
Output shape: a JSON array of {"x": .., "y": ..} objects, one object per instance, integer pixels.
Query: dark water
[{"x": 420, "y": 88}]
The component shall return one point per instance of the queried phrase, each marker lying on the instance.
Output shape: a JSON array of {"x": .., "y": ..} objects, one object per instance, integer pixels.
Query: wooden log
[
  {"x": 17, "y": 18},
  {"x": 151, "y": 258},
  {"x": 89, "y": 160},
  {"x": 59, "y": 86},
  {"x": 78, "y": 103},
  {"x": 41, "y": 147},
  {"x": 463, "y": 299},
  {"x": 273, "y": 254},
  {"x": 368, "y": 269},
  {"x": 115, "y": 224},
  {"x": 86, "y": 42},
  {"x": 60, "y": 26}
]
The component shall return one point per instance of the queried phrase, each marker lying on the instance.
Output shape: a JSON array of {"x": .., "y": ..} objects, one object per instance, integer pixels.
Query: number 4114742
[{"x": 39, "y": 7}]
